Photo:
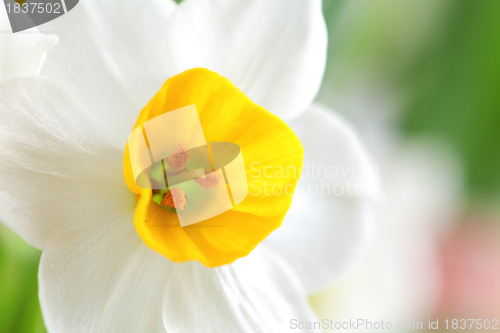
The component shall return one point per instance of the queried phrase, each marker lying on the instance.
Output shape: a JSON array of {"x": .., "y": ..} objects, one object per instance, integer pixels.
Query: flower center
[
  {"x": 197, "y": 160},
  {"x": 179, "y": 159},
  {"x": 174, "y": 198}
]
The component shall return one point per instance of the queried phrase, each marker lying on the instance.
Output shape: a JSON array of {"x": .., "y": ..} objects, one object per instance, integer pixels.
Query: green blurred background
[
  {"x": 440, "y": 60},
  {"x": 436, "y": 61}
]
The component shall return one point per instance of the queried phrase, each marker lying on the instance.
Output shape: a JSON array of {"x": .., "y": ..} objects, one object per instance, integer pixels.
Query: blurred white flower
[
  {"x": 399, "y": 279},
  {"x": 61, "y": 174}
]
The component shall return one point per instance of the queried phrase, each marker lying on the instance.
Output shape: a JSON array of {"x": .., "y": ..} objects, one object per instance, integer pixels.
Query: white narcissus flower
[
  {"x": 22, "y": 53},
  {"x": 62, "y": 182}
]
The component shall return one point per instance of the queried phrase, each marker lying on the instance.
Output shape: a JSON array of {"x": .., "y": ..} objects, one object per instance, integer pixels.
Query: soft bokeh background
[{"x": 420, "y": 81}]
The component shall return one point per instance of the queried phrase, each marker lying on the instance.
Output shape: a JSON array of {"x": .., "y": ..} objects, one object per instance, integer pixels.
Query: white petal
[
  {"x": 274, "y": 51},
  {"x": 22, "y": 53},
  {"x": 258, "y": 293},
  {"x": 112, "y": 55},
  {"x": 330, "y": 221},
  {"x": 61, "y": 171},
  {"x": 107, "y": 281}
]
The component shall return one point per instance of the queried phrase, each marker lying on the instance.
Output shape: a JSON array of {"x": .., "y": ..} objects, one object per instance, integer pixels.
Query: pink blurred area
[{"x": 471, "y": 271}]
